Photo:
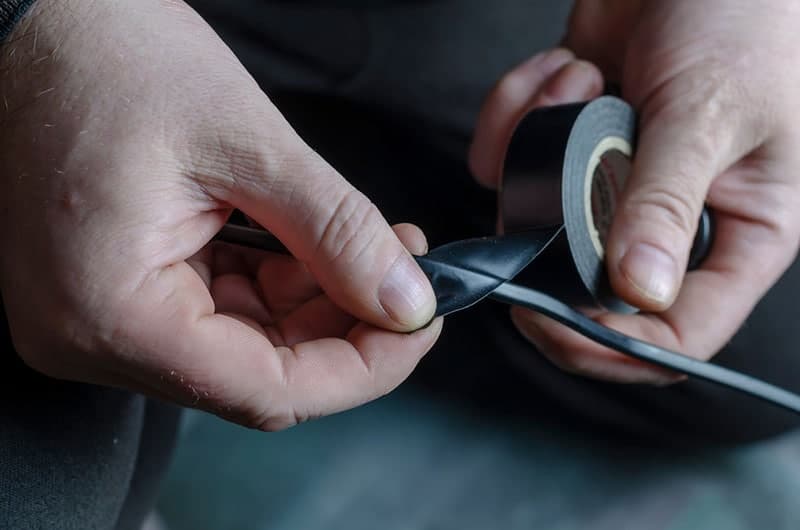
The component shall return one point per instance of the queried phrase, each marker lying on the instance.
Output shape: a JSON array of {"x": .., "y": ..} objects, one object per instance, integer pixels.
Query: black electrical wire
[
  {"x": 464, "y": 272},
  {"x": 516, "y": 295},
  {"x": 251, "y": 237}
]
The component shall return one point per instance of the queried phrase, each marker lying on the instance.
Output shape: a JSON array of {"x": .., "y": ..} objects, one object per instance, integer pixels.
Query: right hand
[
  {"x": 130, "y": 132},
  {"x": 714, "y": 90}
]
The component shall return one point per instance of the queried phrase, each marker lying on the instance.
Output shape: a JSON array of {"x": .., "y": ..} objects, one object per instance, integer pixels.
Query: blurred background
[{"x": 414, "y": 460}]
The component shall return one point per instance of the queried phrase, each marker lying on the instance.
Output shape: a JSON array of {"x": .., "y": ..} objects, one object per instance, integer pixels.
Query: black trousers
[{"x": 388, "y": 95}]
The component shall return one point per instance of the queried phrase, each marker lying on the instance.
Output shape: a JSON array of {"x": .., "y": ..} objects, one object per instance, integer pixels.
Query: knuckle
[
  {"x": 227, "y": 160},
  {"x": 251, "y": 411},
  {"x": 273, "y": 417},
  {"x": 670, "y": 208},
  {"x": 718, "y": 109},
  {"x": 780, "y": 233},
  {"x": 517, "y": 86},
  {"x": 512, "y": 88},
  {"x": 267, "y": 406},
  {"x": 700, "y": 101},
  {"x": 239, "y": 162},
  {"x": 291, "y": 164},
  {"x": 789, "y": 235},
  {"x": 702, "y": 140},
  {"x": 350, "y": 230},
  {"x": 266, "y": 421},
  {"x": 274, "y": 423},
  {"x": 283, "y": 421}
]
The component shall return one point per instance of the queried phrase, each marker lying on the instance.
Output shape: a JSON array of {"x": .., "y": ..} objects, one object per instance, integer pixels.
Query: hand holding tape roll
[{"x": 568, "y": 165}]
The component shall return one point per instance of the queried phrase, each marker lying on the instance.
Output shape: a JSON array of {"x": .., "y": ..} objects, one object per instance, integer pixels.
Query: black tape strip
[
  {"x": 547, "y": 305},
  {"x": 465, "y": 272}
]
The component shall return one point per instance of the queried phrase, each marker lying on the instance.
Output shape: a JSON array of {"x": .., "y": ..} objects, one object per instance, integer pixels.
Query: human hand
[
  {"x": 130, "y": 132},
  {"x": 714, "y": 83}
]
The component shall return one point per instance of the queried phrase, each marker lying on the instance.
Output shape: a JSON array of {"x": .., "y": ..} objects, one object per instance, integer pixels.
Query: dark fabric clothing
[
  {"x": 11, "y": 11},
  {"x": 75, "y": 456},
  {"x": 388, "y": 94}
]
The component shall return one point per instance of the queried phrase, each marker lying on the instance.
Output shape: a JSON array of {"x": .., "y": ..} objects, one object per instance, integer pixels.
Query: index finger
[{"x": 220, "y": 364}]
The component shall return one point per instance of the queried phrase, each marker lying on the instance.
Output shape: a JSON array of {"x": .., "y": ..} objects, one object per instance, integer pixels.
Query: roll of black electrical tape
[{"x": 568, "y": 165}]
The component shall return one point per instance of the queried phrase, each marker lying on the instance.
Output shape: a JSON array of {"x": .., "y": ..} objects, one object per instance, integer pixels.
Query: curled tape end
[{"x": 465, "y": 272}]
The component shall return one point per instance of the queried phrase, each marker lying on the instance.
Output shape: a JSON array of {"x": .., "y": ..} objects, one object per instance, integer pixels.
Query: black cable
[
  {"x": 542, "y": 303},
  {"x": 251, "y": 237}
]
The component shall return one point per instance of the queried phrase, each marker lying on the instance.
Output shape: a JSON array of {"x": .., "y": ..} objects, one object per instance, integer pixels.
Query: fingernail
[
  {"x": 651, "y": 271},
  {"x": 406, "y": 294}
]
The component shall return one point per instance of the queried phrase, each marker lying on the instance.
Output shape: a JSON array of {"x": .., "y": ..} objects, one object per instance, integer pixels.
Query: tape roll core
[
  {"x": 568, "y": 165},
  {"x": 606, "y": 175}
]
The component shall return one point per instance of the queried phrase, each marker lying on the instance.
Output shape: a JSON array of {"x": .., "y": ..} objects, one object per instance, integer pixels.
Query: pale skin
[
  {"x": 715, "y": 83},
  {"x": 130, "y": 132}
]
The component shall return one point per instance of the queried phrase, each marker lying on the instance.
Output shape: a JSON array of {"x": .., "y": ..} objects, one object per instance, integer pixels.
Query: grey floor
[{"x": 414, "y": 461}]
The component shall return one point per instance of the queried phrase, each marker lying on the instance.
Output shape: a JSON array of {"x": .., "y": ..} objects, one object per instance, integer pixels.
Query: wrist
[
  {"x": 37, "y": 52},
  {"x": 11, "y": 12},
  {"x": 33, "y": 61}
]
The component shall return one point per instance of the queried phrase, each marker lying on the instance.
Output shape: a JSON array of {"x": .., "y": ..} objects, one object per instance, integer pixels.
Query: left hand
[
  {"x": 129, "y": 133},
  {"x": 715, "y": 84}
]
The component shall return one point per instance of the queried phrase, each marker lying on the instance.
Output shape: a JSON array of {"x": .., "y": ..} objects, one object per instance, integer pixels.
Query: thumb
[
  {"x": 340, "y": 235},
  {"x": 681, "y": 150}
]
